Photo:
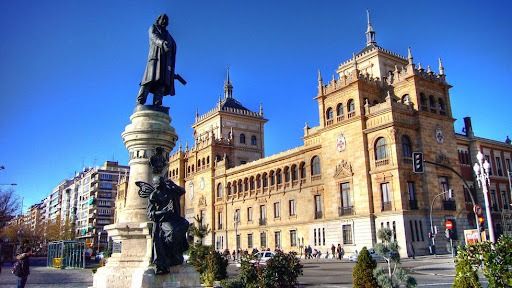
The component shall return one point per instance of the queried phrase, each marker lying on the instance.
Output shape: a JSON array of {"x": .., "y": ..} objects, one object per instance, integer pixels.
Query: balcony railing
[
  {"x": 340, "y": 118},
  {"x": 316, "y": 177},
  {"x": 386, "y": 206},
  {"x": 413, "y": 204},
  {"x": 381, "y": 162},
  {"x": 348, "y": 210},
  {"x": 449, "y": 205},
  {"x": 351, "y": 114},
  {"x": 330, "y": 121},
  {"x": 318, "y": 214},
  {"x": 263, "y": 221}
]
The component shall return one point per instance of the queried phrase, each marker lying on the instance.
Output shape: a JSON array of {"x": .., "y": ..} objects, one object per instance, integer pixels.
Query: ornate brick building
[{"x": 353, "y": 174}]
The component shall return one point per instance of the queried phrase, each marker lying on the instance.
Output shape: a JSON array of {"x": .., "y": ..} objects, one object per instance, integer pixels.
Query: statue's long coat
[{"x": 159, "y": 74}]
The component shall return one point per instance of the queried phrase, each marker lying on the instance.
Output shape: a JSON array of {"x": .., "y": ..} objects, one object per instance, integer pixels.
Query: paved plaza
[{"x": 429, "y": 271}]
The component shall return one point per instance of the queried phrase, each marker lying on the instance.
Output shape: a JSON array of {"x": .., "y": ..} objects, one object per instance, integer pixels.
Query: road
[{"x": 429, "y": 271}]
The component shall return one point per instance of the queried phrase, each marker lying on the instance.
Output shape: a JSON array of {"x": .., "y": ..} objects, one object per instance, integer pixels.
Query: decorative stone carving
[{"x": 343, "y": 169}]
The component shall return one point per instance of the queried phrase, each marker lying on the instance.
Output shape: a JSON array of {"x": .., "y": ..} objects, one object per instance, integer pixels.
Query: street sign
[
  {"x": 471, "y": 236},
  {"x": 448, "y": 224},
  {"x": 417, "y": 162}
]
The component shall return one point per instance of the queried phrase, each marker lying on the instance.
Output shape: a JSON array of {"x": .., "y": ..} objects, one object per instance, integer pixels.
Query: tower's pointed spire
[
  {"x": 228, "y": 87},
  {"x": 261, "y": 109},
  {"x": 409, "y": 55},
  {"x": 370, "y": 33},
  {"x": 319, "y": 76},
  {"x": 441, "y": 68}
]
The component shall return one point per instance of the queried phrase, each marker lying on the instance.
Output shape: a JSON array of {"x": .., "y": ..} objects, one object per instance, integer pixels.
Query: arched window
[
  {"x": 432, "y": 104},
  {"x": 258, "y": 181},
  {"x": 294, "y": 172},
  {"x": 228, "y": 188},
  {"x": 251, "y": 183},
  {"x": 329, "y": 115},
  {"x": 351, "y": 106},
  {"x": 315, "y": 166},
  {"x": 339, "y": 111},
  {"x": 234, "y": 187},
  {"x": 202, "y": 162},
  {"x": 423, "y": 102},
  {"x": 207, "y": 160},
  {"x": 272, "y": 178},
  {"x": 279, "y": 177},
  {"x": 406, "y": 146},
  {"x": 242, "y": 138},
  {"x": 240, "y": 187},
  {"x": 246, "y": 184},
  {"x": 442, "y": 107},
  {"x": 286, "y": 172},
  {"x": 265, "y": 180},
  {"x": 381, "y": 149},
  {"x": 219, "y": 191},
  {"x": 253, "y": 140},
  {"x": 302, "y": 168}
]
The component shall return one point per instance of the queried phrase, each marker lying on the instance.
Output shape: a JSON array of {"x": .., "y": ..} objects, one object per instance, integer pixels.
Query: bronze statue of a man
[{"x": 159, "y": 75}]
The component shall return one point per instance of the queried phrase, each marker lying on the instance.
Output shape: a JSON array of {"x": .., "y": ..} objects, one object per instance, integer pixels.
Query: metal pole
[{"x": 432, "y": 223}]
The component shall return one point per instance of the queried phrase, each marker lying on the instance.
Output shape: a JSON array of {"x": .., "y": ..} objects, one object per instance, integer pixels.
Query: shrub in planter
[{"x": 362, "y": 275}]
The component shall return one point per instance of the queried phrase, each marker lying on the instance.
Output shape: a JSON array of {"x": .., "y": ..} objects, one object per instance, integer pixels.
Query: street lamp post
[
  {"x": 236, "y": 220},
  {"x": 481, "y": 169}
]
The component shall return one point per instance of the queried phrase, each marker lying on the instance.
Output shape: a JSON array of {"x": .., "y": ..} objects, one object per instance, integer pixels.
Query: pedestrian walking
[
  {"x": 333, "y": 251},
  {"x": 234, "y": 255},
  {"x": 338, "y": 250},
  {"x": 413, "y": 253},
  {"x": 21, "y": 267},
  {"x": 343, "y": 253}
]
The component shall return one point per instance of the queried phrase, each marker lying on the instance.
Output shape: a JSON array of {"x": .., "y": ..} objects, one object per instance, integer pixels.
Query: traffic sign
[
  {"x": 448, "y": 224},
  {"x": 477, "y": 209}
]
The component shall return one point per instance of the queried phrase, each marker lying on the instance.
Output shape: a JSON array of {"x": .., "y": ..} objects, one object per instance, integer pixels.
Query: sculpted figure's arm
[{"x": 156, "y": 38}]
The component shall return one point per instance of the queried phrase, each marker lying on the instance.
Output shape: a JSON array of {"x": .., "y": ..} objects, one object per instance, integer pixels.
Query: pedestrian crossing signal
[{"x": 417, "y": 162}]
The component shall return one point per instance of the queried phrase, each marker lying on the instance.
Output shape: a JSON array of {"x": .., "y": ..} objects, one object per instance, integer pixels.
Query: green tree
[
  {"x": 282, "y": 270},
  {"x": 395, "y": 276},
  {"x": 362, "y": 275},
  {"x": 466, "y": 274}
]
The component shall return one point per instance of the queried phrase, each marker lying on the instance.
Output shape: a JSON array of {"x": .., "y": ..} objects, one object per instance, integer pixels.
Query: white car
[
  {"x": 262, "y": 257},
  {"x": 373, "y": 254}
]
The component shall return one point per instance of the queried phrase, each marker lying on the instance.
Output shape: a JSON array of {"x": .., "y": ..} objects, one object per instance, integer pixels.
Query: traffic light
[
  {"x": 417, "y": 162},
  {"x": 481, "y": 221}
]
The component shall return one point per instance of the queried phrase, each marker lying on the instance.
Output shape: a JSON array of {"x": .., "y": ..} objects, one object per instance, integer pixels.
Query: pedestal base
[
  {"x": 117, "y": 277},
  {"x": 131, "y": 265}
]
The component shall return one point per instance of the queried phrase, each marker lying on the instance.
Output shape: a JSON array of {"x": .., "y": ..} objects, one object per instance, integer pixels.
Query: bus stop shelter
[{"x": 66, "y": 254}]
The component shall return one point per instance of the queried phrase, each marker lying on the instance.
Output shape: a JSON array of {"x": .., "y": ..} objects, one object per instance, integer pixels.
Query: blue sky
[{"x": 70, "y": 69}]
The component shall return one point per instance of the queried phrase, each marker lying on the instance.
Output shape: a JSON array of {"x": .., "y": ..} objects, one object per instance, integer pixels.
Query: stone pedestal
[{"x": 130, "y": 263}]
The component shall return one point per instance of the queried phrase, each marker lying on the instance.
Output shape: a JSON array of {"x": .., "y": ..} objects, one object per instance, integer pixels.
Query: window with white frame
[
  {"x": 292, "y": 208},
  {"x": 347, "y": 234}
]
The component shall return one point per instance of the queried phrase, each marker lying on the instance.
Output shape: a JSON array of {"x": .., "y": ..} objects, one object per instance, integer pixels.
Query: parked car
[
  {"x": 373, "y": 254},
  {"x": 262, "y": 257}
]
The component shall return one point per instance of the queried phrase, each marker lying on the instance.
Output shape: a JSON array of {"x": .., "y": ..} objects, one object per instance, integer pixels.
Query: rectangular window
[
  {"x": 263, "y": 240},
  {"x": 318, "y": 206},
  {"x": 237, "y": 217},
  {"x": 346, "y": 200},
  {"x": 291, "y": 206},
  {"x": 249, "y": 214},
  {"x": 323, "y": 236},
  {"x": 494, "y": 200},
  {"x": 277, "y": 239},
  {"x": 412, "y": 230},
  {"x": 314, "y": 235},
  {"x": 421, "y": 231},
  {"x": 293, "y": 238},
  {"x": 238, "y": 241},
  {"x": 444, "y": 186},
  {"x": 347, "y": 234},
  {"x": 249, "y": 240},
  {"x": 498, "y": 166},
  {"x": 277, "y": 210},
  {"x": 489, "y": 160},
  {"x": 507, "y": 164},
  {"x": 263, "y": 212},
  {"x": 386, "y": 196},
  {"x": 411, "y": 190},
  {"x": 219, "y": 220}
]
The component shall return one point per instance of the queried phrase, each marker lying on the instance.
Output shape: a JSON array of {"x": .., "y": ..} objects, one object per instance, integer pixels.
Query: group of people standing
[{"x": 336, "y": 252}]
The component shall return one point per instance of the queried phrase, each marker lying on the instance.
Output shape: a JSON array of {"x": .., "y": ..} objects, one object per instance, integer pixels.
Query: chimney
[{"x": 467, "y": 127}]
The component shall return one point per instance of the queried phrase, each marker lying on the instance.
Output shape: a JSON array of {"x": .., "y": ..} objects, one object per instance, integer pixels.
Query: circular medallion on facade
[
  {"x": 191, "y": 190},
  {"x": 201, "y": 184},
  {"x": 439, "y": 135},
  {"x": 341, "y": 143}
]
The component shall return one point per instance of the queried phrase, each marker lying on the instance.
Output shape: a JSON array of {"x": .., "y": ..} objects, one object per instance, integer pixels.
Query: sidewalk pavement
[{"x": 44, "y": 277}]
